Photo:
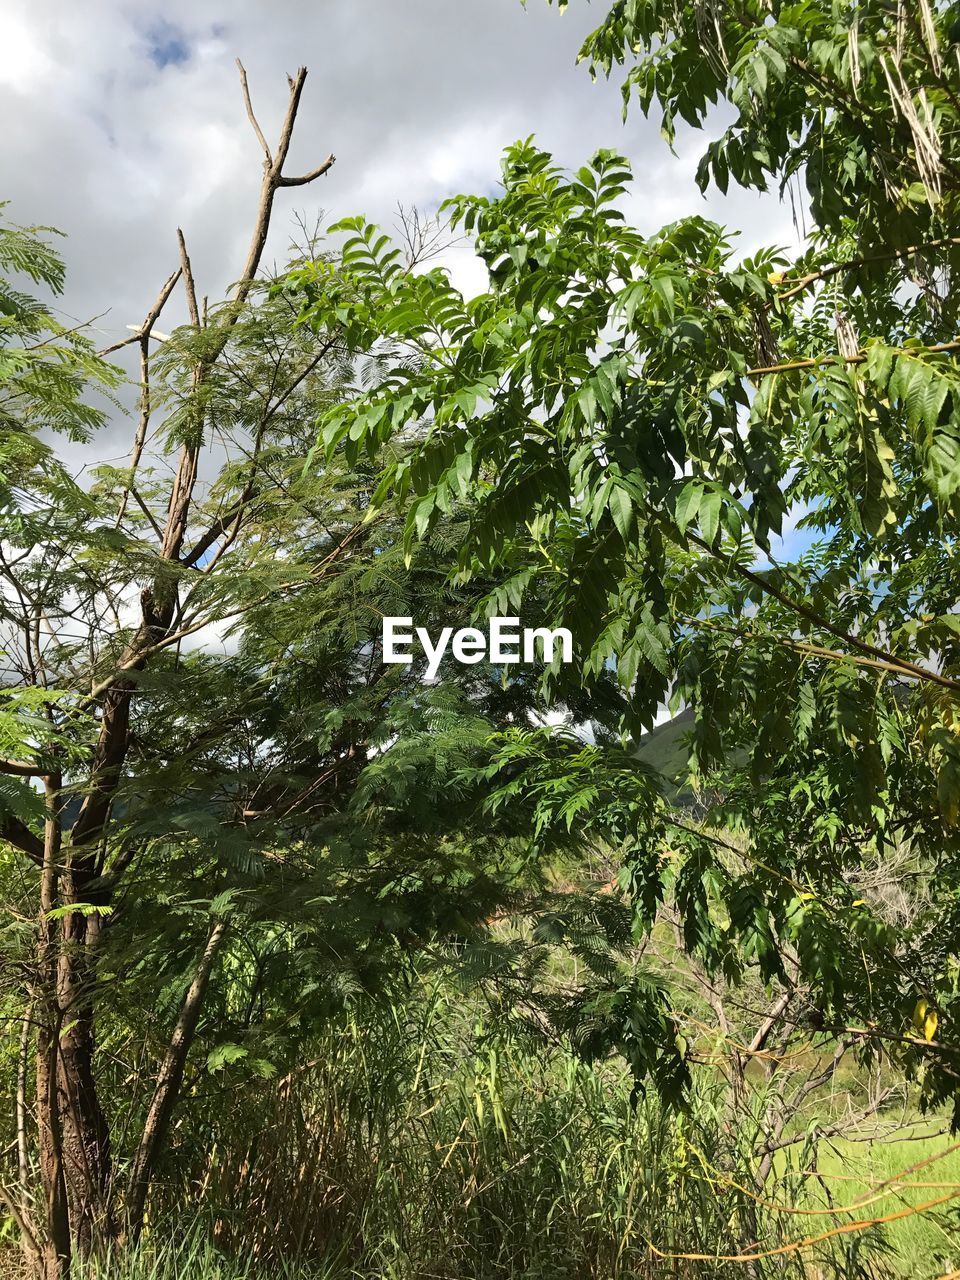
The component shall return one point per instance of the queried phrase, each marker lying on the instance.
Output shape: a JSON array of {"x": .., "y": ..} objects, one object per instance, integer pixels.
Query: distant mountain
[{"x": 666, "y": 749}]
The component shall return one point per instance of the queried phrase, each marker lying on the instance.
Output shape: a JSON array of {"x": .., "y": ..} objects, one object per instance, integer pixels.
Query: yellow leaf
[
  {"x": 925, "y": 1019},
  {"x": 775, "y": 277},
  {"x": 920, "y": 1013}
]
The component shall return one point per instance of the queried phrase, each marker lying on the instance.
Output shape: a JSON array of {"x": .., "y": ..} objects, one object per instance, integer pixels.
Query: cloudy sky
[{"x": 123, "y": 122}]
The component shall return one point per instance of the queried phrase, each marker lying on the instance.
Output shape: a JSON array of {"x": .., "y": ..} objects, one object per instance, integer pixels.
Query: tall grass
[
  {"x": 423, "y": 1146},
  {"x": 190, "y": 1258},
  {"x": 429, "y": 1141}
]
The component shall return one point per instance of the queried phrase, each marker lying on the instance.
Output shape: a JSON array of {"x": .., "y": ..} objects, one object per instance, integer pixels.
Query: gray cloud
[{"x": 123, "y": 123}]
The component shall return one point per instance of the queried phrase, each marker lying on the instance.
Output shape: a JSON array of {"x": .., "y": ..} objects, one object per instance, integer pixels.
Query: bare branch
[
  {"x": 189, "y": 285},
  {"x": 19, "y": 834},
  {"x": 250, "y": 113},
  {"x": 147, "y": 512},
  {"x": 763, "y": 1033},
  {"x": 286, "y": 129},
  {"x": 272, "y": 180},
  {"x": 151, "y": 317},
  {"x": 833, "y": 1130},
  {"x": 142, "y": 336},
  {"x": 18, "y": 770},
  {"x": 328, "y": 164}
]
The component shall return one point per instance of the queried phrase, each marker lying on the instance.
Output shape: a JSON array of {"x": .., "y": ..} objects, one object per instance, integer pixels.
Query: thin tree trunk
[
  {"x": 56, "y": 1249},
  {"x": 23, "y": 1146},
  {"x": 86, "y": 1136},
  {"x": 169, "y": 1080},
  {"x": 20, "y": 1206}
]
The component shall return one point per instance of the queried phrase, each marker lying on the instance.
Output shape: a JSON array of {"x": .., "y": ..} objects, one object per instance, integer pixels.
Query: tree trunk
[
  {"x": 74, "y": 1138},
  {"x": 23, "y": 1066},
  {"x": 86, "y": 1136},
  {"x": 56, "y": 1250},
  {"x": 56, "y": 1247},
  {"x": 169, "y": 1081}
]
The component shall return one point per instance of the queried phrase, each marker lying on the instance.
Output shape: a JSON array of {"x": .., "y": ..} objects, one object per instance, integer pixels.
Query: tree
[
  {"x": 631, "y": 418},
  {"x": 223, "y": 816},
  {"x": 103, "y": 585}
]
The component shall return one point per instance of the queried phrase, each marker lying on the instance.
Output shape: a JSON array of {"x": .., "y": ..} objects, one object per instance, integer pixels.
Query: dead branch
[
  {"x": 284, "y": 181},
  {"x": 190, "y": 287},
  {"x": 758, "y": 1042},
  {"x": 250, "y": 112},
  {"x": 142, "y": 336},
  {"x": 273, "y": 175},
  {"x": 150, "y": 319}
]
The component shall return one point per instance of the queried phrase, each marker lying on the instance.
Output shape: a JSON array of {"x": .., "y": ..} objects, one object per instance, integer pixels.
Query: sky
[
  {"x": 128, "y": 122},
  {"x": 124, "y": 121}
]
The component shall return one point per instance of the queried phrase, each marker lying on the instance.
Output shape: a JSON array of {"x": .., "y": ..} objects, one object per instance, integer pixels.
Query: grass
[
  {"x": 193, "y": 1258},
  {"x": 430, "y": 1146},
  {"x": 441, "y": 1152},
  {"x": 925, "y": 1244}
]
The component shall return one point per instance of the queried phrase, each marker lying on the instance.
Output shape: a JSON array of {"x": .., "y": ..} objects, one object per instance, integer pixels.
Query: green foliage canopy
[{"x": 631, "y": 419}]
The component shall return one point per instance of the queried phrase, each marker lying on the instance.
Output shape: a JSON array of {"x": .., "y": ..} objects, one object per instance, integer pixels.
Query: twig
[
  {"x": 838, "y": 268},
  {"x": 189, "y": 285},
  {"x": 859, "y": 358},
  {"x": 151, "y": 317},
  {"x": 250, "y": 112}
]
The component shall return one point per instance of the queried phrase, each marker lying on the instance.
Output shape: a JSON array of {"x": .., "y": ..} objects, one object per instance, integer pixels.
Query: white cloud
[
  {"x": 124, "y": 124},
  {"x": 24, "y": 63}
]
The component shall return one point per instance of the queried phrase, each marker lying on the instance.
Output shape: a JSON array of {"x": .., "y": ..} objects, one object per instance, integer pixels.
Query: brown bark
[
  {"x": 169, "y": 1081},
  {"x": 57, "y": 1246},
  {"x": 19, "y": 1205},
  {"x": 86, "y": 1135},
  {"x": 23, "y": 1145},
  {"x": 74, "y": 1139}
]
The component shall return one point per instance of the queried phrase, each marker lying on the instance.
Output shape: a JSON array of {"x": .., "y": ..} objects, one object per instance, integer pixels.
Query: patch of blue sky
[
  {"x": 167, "y": 46},
  {"x": 205, "y": 557},
  {"x": 794, "y": 541}
]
